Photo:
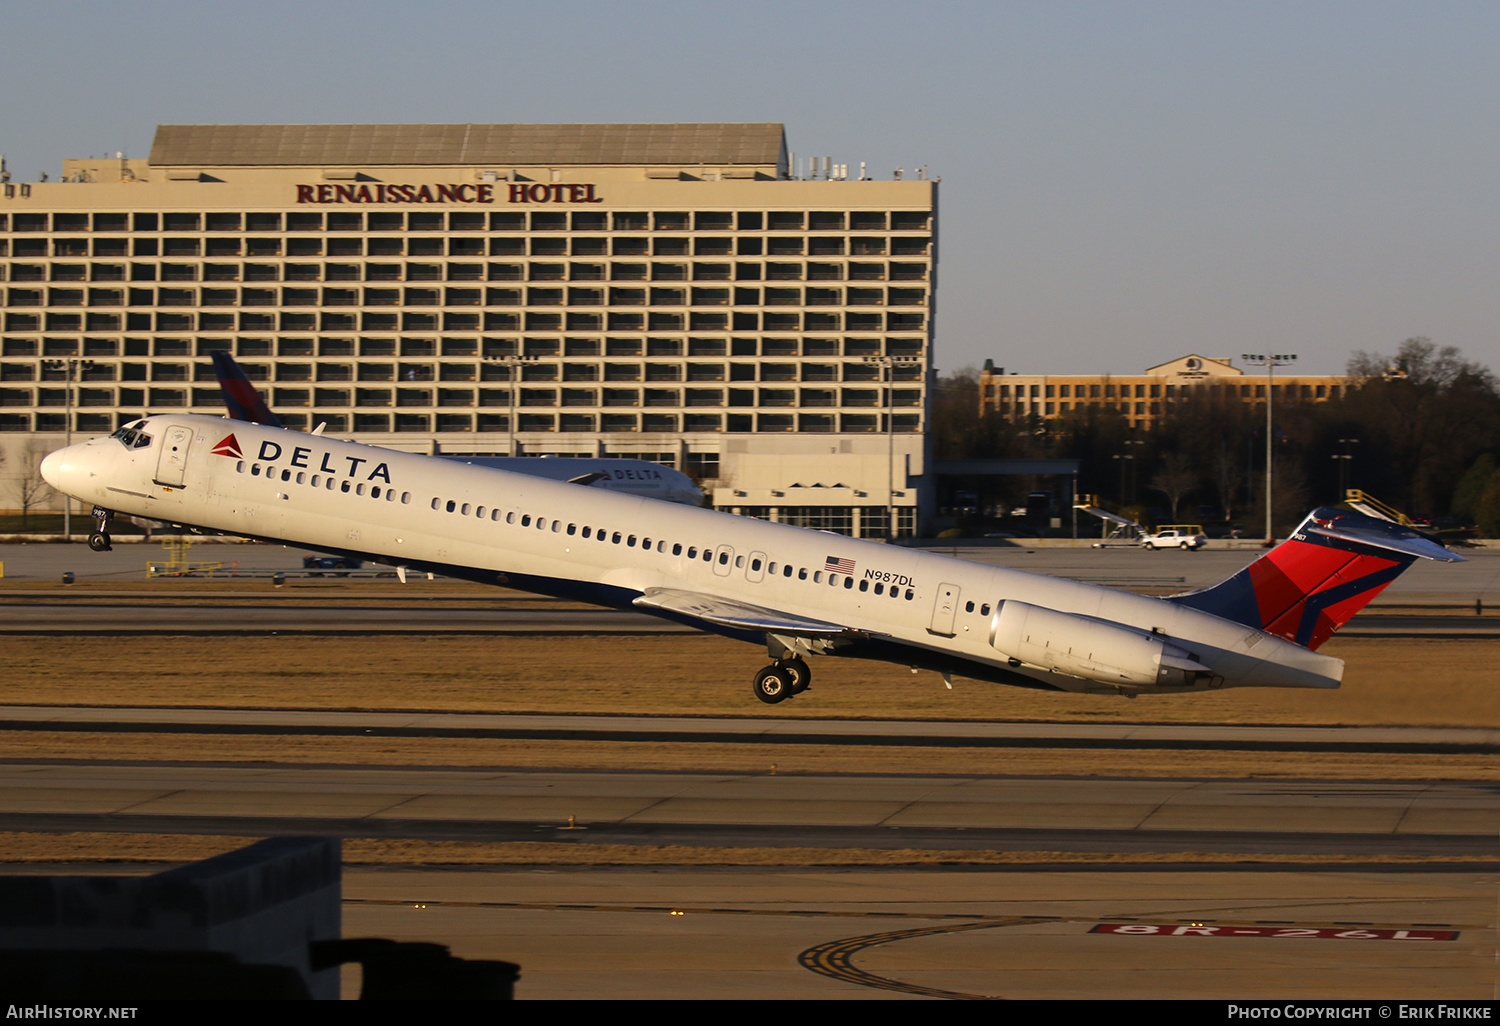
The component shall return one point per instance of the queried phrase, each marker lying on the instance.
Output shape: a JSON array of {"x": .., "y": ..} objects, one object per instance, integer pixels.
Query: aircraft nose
[
  {"x": 61, "y": 469},
  {"x": 52, "y": 468}
]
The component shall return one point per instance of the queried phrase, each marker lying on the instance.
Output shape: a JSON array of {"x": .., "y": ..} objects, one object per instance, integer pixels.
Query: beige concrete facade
[
  {"x": 665, "y": 291},
  {"x": 1142, "y": 398}
]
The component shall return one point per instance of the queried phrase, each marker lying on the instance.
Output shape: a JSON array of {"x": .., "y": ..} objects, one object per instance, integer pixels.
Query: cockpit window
[{"x": 131, "y": 438}]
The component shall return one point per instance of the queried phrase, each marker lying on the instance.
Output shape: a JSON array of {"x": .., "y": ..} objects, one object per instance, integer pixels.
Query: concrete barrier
[{"x": 263, "y": 905}]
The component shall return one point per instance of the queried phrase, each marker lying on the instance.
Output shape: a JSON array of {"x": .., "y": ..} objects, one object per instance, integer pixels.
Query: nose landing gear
[{"x": 99, "y": 539}]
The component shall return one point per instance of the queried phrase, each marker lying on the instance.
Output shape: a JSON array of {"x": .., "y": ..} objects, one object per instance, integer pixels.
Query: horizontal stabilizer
[
  {"x": 1382, "y": 534},
  {"x": 727, "y": 613}
]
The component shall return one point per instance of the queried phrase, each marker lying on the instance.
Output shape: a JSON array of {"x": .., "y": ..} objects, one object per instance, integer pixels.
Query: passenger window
[
  {"x": 692, "y": 552},
  {"x": 556, "y": 526},
  {"x": 572, "y": 529},
  {"x": 801, "y": 574},
  {"x": 617, "y": 537},
  {"x": 677, "y": 548},
  {"x": 739, "y": 562},
  {"x": 817, "y": 577},
  {"x": 848, "y": 583},
  {"x": 255, "y": 470},
  {"x": 968, "y": 607},
  {"x": 451, "y": 504},
  {"x": 301, "y": 477},
  {"x": 984, "y": 610},
  {"x": 879, "y": 588},
  {"x": 286, "y": 475},
  {"x": 723, "y": 558},
  {"x": 526, "y": 520},
  {"x": 588, "y": 532},
  {"x": 863, "y": 585},
  {"x": 755, "y": 564},
  {"x": 479, "y": 512},
  {"x": 359, "y": 489}
]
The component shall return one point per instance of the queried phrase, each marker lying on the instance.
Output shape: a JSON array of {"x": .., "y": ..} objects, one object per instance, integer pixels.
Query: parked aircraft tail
[
  {"x": 1310, "y": 585},
  {"x": 244, "y": 402}
]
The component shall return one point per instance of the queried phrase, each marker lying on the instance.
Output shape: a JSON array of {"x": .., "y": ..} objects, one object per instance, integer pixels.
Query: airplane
[
  {"x": 798, "y": 592},
  {"x": 638, "y": 477}
]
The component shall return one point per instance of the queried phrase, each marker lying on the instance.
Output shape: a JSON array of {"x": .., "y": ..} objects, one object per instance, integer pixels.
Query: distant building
[{"x": 1142, "y": 398}]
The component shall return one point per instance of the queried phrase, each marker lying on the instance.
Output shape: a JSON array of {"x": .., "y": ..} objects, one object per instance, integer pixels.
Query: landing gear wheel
[
  {"x": 773, "y": 684},
  {"x": 99, "y": 542},
  {"x": 800, "y": 673}
]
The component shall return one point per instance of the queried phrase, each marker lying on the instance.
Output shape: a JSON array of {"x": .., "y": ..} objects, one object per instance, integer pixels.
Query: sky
[{"x": 1123, "y": 183}]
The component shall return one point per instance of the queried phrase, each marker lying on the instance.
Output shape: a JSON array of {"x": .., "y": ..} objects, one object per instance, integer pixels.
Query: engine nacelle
[{"x": 1090, "y": 649}]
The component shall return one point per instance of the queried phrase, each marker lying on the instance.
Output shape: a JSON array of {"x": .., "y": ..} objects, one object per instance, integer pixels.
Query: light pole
[
  {"x": 1344, "y": 458},
  {"x": 888, "y": 363},
  {"x": 511, "y": 361},
  {"x": 1270, "y": 362},
  {"x": 70, "y": 369}
]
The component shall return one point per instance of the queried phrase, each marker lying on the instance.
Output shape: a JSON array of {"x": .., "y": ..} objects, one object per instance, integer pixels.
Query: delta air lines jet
[{"x": 798, "y": 592}]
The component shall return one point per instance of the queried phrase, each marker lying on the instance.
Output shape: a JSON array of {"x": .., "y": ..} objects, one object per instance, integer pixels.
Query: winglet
[{"x": 244, "y": 402}]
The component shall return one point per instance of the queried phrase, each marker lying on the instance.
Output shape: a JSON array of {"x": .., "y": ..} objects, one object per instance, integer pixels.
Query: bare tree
[
  {"x": 31, "y": 489},
  {"x": 1177, "y": 477}
]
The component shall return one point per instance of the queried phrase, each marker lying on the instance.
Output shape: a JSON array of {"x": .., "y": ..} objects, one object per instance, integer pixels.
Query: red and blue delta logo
[{"x": 228, "y": 446}]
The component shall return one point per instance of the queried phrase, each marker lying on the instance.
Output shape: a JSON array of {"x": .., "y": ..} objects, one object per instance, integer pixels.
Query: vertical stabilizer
[
  {"x": 1314, "y": 582},
  {"x": 244, "y": 402}
]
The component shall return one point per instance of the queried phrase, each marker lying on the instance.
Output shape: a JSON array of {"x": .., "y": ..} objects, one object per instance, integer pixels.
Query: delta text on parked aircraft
[{"x": 796, "y": 591}]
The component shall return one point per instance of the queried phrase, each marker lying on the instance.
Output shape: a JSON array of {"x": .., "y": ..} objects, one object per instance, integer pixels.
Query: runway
[
  {"x": 753, "y": 730},
  {"x": 307, "y": 611},
  {"x": 1371, "y": 819},
  {"x": 838, "y": 934}
]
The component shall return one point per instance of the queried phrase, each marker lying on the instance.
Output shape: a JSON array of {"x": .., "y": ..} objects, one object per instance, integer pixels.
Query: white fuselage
[{"x": 494, "y": 526}]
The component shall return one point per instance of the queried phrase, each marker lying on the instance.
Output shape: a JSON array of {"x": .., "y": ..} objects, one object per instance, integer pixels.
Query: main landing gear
[
  {"x": 781, "y": 680},
  {"x": 99, "y": 539}
]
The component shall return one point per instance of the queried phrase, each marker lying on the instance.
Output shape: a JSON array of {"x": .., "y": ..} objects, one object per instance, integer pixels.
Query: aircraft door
[
  {"x": 944, "y": 610},
  {"x": 756, "y": 571},
  {"x": 171, "y": 465},
  {"x": 723, "y": 560}
]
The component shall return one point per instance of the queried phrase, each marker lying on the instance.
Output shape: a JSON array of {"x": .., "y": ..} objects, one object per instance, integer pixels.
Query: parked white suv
[{"x": 1175, "y": 536}]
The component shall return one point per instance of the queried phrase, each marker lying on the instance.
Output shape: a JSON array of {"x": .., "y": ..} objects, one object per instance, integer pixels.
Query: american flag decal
[{"x": 834, "y": 565}]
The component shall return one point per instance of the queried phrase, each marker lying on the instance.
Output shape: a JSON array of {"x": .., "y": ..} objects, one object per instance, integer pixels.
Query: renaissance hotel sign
[{"x": 484, "y": 192}]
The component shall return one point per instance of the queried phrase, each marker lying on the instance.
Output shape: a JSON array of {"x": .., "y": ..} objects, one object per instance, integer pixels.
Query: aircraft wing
[{"x": 728, "y": 613}]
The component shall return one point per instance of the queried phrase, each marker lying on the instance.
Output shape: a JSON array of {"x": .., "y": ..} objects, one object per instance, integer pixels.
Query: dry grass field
[{"x": 1387, "y": 682}]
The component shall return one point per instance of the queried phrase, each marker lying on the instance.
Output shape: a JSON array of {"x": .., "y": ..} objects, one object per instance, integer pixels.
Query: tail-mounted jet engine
[{"x": 1091, "y": 649}]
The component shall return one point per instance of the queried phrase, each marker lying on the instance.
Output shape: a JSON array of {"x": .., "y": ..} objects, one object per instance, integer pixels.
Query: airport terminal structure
[{"x": 674, "y": 292}]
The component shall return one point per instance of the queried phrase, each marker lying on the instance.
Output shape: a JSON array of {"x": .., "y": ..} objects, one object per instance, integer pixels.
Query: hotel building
[
  {"x": 1142, "y": 398},
  {"x": 670, "y": 292}
]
